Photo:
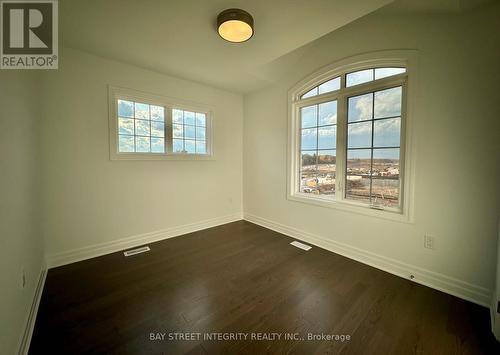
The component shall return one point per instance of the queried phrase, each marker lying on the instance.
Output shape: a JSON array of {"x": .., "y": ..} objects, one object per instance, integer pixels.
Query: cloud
[
  {"x": 359, "y": 77},
  {"x": 359, "y": 128},
  {"x": 157, "y": 129},
  {"x": 157, "y": 113},
  {"x": 360, "y": 107},
  {"x": 141, "y": 111},
  {"x": 178, "y": 131},
  {"x": 328, "y": 119},
  {"x": 327, "y": 131},
  {"x": 388, "y": 102},
  {"x": 126, "y": 144},
  {"x": 126, "y": 126}
]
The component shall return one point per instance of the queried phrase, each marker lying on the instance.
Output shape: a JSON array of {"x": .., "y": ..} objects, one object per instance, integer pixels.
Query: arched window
[{"x": 347, "y": 137}]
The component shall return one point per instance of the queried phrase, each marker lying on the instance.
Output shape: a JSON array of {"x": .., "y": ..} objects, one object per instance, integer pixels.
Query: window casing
[
  {"x": 363, "y": 164},
  {"x": 151, "y": 127}
]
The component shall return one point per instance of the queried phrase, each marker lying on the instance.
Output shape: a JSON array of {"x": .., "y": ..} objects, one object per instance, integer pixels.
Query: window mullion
[
  {"x": 297, "y": 149},
  {"x": 316, "y": 100},
  {"x": 341, "y": 147},
  {"x": 317, "y": 146},
  {"x": 168, "y": 130},
  {"x": 371, "y": 150}
]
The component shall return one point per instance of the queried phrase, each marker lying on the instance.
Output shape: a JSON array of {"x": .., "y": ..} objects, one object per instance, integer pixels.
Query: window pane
[
  {"x": 388, "y": 103},
  {"x": 358, "y": 188},
  {"x": 359, "y": 162},
  {"x": 157, "y": 145},
  {"x": 386, "y": 162},
  {"x": 385, "y": 192},
  {"x": 126, "y": 126},
  {"x": 158, "y": 129},
  {"x": 309, "y": 116},
  {"x": 360, "y": 108},
  {"x": 189, "y": 132},
  {"x": 177, "y": 116},
  {"x": 387, "y": 132},
  {"x": 310, "y": 93},
  {"x": 326, "y": 170},
  {"x": 327, "y": 113},
  {"x": 326, "y": 158},
  {"x": 142, "y": 127},
  {"x": 309, "y": 138},
  {"x": 189, "y": 118},
  {"x": 200, "y": 133},
  {"x": 358, "y": 175},
  {"x": 200, "y": 119},
  {"x": 178, "y": 131},
  {"x": 330, "y": 85},
  {"x": 327, "y": 137},
  {"x": 189, "y": 146},
  {"x": 359, "y": 135},
  {"x": 359, "y": 77},
  {"x": 308, "y": 181},
  {"x": 178, "y": 145},
  {"x": 142, "y": 144},
  {"x": 141, "y": 111},
  {"x": 157, "y": 113},
  {"x": 126, "y": 144},
  {"x": 385, "y": 72},
  {"x": 201, "y": 147},
  {"x": 308, "y": 158},
  {"x": 125, "y": 108}
]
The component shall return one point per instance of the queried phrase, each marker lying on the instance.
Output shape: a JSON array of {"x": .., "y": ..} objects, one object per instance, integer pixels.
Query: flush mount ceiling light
[{"x": 235, "y": 25}]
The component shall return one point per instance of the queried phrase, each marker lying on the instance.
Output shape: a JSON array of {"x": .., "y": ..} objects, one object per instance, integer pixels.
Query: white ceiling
[
  {"x": 178, "y": 37},
  {"x": 434, "y": 6}
]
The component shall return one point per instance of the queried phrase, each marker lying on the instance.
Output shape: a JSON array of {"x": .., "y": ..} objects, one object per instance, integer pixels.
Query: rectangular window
[
  {"x": 152, "y": 127},
  {"x": 141, "y": 127},
  {"x": 373, "y": 147},
  {"x": 189, "y": 132},
  {"x": 318, "y": 148}
]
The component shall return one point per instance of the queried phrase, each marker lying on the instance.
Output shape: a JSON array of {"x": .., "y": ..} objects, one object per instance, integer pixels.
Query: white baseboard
[
  {"x": 93, "y": 251},
  {"x": 447, "y": 284},
  {"x": 30, "y": 323}
]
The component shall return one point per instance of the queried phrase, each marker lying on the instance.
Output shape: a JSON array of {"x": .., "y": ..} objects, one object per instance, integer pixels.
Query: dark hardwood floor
[{"x": 242, "y": 278}]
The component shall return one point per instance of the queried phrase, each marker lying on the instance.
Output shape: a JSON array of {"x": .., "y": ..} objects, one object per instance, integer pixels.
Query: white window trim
[
  {"x": 401, "y": 58},
  {"x": 115, "y": 93}
]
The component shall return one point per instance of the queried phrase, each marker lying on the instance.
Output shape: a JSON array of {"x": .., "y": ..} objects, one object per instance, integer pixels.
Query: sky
[
  {"x": 140, "y": 119},
  {"x": 378, "y": 105}
]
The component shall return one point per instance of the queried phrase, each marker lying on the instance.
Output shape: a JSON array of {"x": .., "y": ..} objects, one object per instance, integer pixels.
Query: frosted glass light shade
[{"x": 235, "y": 25}]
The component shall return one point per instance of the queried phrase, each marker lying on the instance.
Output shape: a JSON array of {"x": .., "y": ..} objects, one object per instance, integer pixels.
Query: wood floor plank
[{"x": 243, "y": 278}]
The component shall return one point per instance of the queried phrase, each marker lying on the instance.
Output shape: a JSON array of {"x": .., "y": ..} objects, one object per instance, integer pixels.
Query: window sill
[
  {"x": 152, "y": 156},
  {"x": 347, "y": 206}
]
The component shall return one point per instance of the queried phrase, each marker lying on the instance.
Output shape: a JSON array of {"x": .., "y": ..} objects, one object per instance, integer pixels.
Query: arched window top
[
  {"x": 328, "y": 86},
  {"x": 352, "y": 79}
]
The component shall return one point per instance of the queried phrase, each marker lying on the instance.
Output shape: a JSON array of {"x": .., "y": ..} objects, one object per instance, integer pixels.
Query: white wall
[
  {"x": 90, "y": 200},
  {"x": 456, "y": 142},
  {"x": 21, "y": 244}
]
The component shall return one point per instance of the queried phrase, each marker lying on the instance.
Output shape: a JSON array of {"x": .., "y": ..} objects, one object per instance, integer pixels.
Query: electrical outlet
[{"x": 429, "y": 242}]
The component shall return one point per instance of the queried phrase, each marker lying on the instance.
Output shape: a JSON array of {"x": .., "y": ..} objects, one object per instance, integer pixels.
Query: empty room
[{"x": 250, "y": 177}]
